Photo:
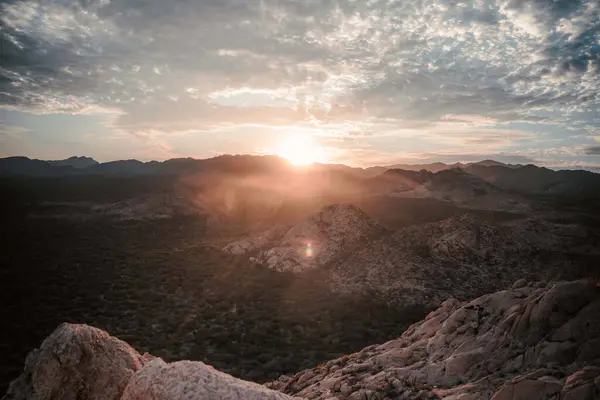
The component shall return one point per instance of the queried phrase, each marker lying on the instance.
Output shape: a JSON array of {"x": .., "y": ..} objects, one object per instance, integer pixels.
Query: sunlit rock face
[
  {"x": 83, "y": 362},
  {"x": 77, "y": 362},
  {"x": 316, "y": 241},
  {"x": 533, "y": 341}
]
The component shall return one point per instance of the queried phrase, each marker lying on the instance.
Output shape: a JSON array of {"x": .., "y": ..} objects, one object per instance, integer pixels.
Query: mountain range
[{"x": 421, "y": 180}]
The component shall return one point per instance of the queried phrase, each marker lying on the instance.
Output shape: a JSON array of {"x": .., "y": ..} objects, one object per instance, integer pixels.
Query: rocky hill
[
  {"x": 315, "y": 241},
  {"x": 462, "y": 257},
  {"x": 75, "y": 162},
  {"x": 463, "y": 189},
  {"x": 534, "y": 341},
  {"x": 539, "y": 180}
]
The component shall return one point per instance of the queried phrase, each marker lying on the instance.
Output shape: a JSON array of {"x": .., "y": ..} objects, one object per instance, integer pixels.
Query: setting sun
[{"x": 301, "y": 150}]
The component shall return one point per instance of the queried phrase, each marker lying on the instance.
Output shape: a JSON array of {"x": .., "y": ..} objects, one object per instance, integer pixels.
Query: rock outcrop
[
  {"x": 462, "y": 257},
  {"x": 192, "y": 380},
  {"x": 530, "y": 342},
  {"x": 316, "y": 241},
  {"x": 77, "y": 362},
  {"x": 82, "y": 362}
]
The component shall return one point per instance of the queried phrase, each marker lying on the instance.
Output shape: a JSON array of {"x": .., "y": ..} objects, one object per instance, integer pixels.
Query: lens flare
[{"x": 308, "y": 251}]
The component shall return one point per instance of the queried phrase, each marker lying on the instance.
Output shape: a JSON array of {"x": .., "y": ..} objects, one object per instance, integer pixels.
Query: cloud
[
  {"x": 12, "y": 131},
  {"x": 455, "y": 72},
  {"x": 592, "y": 150}
]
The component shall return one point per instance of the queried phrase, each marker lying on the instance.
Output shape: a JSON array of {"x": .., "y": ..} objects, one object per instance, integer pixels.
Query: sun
[{"x": 300, "y": 150}]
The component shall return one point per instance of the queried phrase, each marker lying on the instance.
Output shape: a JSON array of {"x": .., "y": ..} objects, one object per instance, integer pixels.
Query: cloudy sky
[{"x": 368, "y": 81}]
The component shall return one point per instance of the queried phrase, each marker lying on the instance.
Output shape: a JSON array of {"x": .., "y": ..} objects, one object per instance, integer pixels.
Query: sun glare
[{"x": 301, "y": 150}]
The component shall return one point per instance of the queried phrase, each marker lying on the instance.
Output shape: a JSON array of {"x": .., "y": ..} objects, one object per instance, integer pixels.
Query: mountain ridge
[
  {"x": 83, "y": 162},
  {"x": 528, "y": 179}
]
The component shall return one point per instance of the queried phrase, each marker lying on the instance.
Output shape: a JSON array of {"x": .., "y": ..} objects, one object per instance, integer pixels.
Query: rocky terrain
[
  {"x": 352, "y": 263},
  {"x": 461, "y": 256},
  {"x": 537, "y": 341},
  {"x": 462, "y": 188},
  {"x": 315, "y": 241},
  {"x": 82, "y": 362},
  {"x": 464, "y": 256},
  {"x": 533, "y": 341}
]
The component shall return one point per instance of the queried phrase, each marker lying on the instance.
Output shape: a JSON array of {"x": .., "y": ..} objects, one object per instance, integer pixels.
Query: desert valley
[{"x": 458, "y": 281}]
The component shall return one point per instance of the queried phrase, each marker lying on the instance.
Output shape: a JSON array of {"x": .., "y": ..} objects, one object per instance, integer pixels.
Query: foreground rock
[
  {"x": 316, "y": 241},
  {"x": 76, "y": 362},
  {"x": 82, "y": 362},
  {"x": 533, "y": 342},
  {"x": 192, "y": 380},
  {"x": 529, "y": 342}
]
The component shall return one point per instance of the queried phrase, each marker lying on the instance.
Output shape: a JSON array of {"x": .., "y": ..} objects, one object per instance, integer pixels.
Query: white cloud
[{"x": 445, "y": 71}]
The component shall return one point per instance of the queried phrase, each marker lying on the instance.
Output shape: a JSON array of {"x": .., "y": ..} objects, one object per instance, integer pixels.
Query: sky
[{"x": 361, "y": 82}]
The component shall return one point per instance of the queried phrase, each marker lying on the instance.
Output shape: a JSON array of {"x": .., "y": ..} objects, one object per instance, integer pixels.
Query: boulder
[
  {"x": 76, "y": 362},
  {"x": 187, "y": 380}
]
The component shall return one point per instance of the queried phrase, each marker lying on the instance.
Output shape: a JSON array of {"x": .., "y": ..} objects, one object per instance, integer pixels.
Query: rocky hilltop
[
  {"x": 464, "y": 189},
  {"x": 538, "y": 341},
  {"x": 463, "y": 257},
  {"x": 534, "y": 341},
  {"x": 315, "y": 241}
]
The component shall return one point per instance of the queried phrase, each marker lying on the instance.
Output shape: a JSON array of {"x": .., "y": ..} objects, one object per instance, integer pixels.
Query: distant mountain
[
  {"x": 455, "y": 185},
  {"x": 439, "y": 166},
  {"x": 75, "y": 162},
  {"x": 338, "y": 178},
  {"x": 539, "y": 180},
  {"x": 23, "y": 166},
  {"x": 492, "y": 163},
  {"x": 433, "y": 167},
  {"x": 398, "y": 180}
]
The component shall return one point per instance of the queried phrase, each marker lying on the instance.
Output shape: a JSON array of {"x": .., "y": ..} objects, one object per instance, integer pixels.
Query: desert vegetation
[{"x": 159, "y": 286}]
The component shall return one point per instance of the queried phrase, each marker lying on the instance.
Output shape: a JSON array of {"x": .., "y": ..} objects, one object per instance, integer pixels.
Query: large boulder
[
  {"x": 187, "y": 380},
  {"x": 76, "y": 362},
  {"x": 81, "y": 362}
]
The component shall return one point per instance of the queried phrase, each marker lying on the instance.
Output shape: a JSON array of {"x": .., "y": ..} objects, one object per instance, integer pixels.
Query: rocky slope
[
  {"x": 530, "y": 342},
  {"x": 315, "y": 241},
  {"x": 466, "y": 190},
  {"x": 462, "y": 257},
  {"x": 534, "y": 341}
]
